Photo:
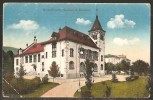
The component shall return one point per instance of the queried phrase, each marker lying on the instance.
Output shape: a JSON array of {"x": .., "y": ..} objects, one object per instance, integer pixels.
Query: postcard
[{"x": 76, "y": 50}]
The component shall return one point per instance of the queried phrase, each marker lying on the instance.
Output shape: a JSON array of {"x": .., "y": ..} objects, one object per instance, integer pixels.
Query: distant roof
[
  {"x": 66, "y": 33},
  {"x": 109, "y": 55},
  {"x": 96, "y": 25}
]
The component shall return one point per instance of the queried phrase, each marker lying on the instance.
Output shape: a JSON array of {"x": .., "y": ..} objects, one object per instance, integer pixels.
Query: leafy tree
[
  {"x": 89, "y": 66},
  {"x": 53, "y": 70},
  {"x": 123, "y": 66},
  {"x": 109, "y": 67},
  {"x": 140, "y": 67},
  {"x": 21, "y": 72}
]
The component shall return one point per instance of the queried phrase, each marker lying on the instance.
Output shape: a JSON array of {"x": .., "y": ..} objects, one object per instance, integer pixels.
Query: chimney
[
  {"x": 35, "y": 40},
  {"x": 20, "y": 51},
  {"x": 27, "y": 44}
]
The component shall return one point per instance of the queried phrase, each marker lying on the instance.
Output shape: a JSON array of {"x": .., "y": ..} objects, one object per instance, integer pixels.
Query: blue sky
[{"x": 127, "y": 26}]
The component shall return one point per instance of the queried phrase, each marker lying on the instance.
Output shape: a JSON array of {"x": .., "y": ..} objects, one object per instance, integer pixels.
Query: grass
[
  {"x": 38, "y": 92},
  {"x": 130, "y": 89}
]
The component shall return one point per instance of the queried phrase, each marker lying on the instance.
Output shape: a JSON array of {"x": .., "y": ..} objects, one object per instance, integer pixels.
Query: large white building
[
  {"x": 114, "y": 59},
  {"x": 69, "y": 48}
]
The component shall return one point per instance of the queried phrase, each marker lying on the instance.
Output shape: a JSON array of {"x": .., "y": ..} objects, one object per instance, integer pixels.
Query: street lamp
[{"x": 80, "y": 53}]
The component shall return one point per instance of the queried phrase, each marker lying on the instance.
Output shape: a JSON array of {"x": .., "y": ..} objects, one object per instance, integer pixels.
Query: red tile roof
[
  {"x": 70, "y": 34},
  {"x": 66, "y": 33}
]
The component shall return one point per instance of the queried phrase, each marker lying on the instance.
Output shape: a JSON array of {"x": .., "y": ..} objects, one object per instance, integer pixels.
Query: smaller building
[{"x": 114, "y": 59}]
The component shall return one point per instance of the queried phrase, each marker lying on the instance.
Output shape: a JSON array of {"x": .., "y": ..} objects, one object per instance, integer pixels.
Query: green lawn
[
  {"x": 41, "y": 90},
  {"x": 132, "y": 89}
]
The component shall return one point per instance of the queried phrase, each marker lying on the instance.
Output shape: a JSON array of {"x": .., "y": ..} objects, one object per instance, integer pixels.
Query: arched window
[
  {"x": 101, "y": 66},
  {"x": 71, "y": 65},
  {"x": 82, "y": 67},
  {"x": 95, "y": 68}
]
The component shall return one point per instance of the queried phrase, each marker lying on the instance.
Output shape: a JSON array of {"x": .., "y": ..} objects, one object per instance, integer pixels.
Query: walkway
[{"x": 68, "y": 87}]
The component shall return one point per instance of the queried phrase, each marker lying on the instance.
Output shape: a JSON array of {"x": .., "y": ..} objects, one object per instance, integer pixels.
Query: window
[
  {"x": 53, "y": 50},
  {"x": 38, "y": 57},
  {"x": 30, "y": 59},
  {"x": 17, "y": 61},
  {"x": 62, "y": 52},
  {"x": 42, "y": 66},
  {"x": 71, "y": 52},
  {"x": 101, "y": 58},
  {"x": 101, "y": 66},
  {"x": 34, "y": 58},
  {"x": 82, "y": 67},
  {"x": 26, "y": 59},
  {"x": 42, "y": 56},
  {"x": 53, "y": 54},
  {"x": 95, "y": 68},
  {"x": 46, "y": 54},
  {"x": 17, "y": 69},
  {"x": 71, "y": 65}
]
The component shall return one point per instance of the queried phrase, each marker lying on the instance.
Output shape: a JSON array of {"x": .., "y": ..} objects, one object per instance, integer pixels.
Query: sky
[{"x": 127, "y": 25}]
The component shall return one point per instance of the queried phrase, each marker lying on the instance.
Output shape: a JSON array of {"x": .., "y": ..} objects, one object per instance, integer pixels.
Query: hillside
[{"x": 14, "y": 50}]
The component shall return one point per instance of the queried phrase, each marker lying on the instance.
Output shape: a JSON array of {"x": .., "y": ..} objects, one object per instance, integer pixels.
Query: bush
[
  {"x": 22, "y": 86},
  {"x": 36, "y": 82},
  {"x": 114, "y": 78},
  {"x": 45, "y": 79},
  {"x": 132, "y": 78}
]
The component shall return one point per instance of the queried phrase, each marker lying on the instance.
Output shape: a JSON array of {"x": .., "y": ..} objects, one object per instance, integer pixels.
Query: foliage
[
  {"x": 8, "y": 62},
  {"x": 53, "y": 70},
  {"x": 114, "y": 78},
  {"x": 45, "y": 79},
  {"x": 89, "y": 66},
  {"x": 133, "y": 89},
  {"x": 132, "y": 78},
  {"x": 109, "y": 67},
  {"x": 21, "y": 72},
  {"x": 140, "y": 67},
  {"x": 22, "y": 86}
]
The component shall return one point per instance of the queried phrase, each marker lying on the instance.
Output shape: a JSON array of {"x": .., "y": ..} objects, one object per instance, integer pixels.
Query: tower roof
[{"x": 96, "y": 25}]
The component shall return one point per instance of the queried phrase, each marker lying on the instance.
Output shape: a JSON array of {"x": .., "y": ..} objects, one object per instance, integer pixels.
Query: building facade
[
  {"x": 69, "y": 48},
  {"x": 114, "y": 59}
]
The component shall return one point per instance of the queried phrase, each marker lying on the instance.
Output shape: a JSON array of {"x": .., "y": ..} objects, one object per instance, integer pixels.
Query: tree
[
  {"x": 53, "y": 70},
  {"x": 89, "y": 66},
  {"x": 123, "y": 66},
  {"x": 109, "y": 67},
  {"x": 140, "y": 67},
  {"x": 21, "y": 72},
  {"x": 8, "y": 63}
]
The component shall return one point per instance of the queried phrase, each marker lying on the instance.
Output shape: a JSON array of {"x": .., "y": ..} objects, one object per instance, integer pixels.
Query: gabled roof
[
  {"x": 66, "y": 33},
  {"x": 96, "y": 25},
  {"x": 70, "y": 34}
]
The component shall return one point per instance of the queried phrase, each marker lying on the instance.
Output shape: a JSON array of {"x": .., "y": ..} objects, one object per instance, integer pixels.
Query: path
[{"x": 68, "y": 87}]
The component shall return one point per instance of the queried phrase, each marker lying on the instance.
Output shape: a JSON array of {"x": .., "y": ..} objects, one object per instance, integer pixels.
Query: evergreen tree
[
  {"x": 53, "y": 70},
  {"x": 21, "y": 72}
]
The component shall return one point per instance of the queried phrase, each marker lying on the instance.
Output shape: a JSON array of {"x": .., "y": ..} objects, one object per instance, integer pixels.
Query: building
[
  {"x": 69, "y": 48},
  {"x": 114, "y": 59}
]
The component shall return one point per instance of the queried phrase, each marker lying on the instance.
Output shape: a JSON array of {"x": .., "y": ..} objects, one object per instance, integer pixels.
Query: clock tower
[{"x": 97, "y": 34}]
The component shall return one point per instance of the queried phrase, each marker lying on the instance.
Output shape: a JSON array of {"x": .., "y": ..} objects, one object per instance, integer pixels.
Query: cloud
[
  {"x": 120, "y": 22},
  {"x": 121, "y": 42},
  {"x": 82, "y": 21},
  {"x": 25, "y": 25}
]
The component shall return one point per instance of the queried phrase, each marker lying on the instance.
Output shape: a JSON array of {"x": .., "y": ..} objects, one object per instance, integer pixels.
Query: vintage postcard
[{"x": 76, "y": 50}]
